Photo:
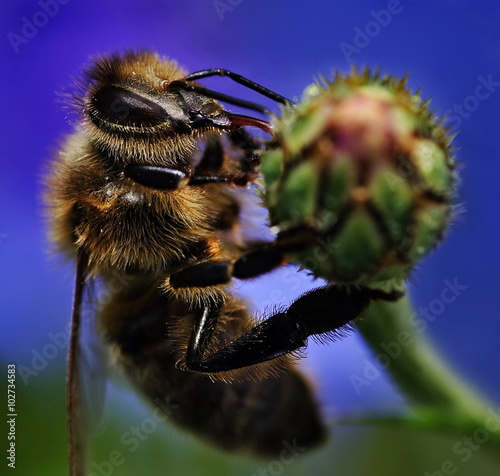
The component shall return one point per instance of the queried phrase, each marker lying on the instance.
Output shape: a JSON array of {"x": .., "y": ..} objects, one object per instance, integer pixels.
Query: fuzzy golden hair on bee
[
  {"x": 121, "y": 224},
  {"x": 107, "y": 94},
  {"x": 143, "y": 67}
]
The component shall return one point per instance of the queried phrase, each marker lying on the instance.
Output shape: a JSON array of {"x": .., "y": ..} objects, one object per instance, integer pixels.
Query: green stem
[{"x": 441, "y": 399}]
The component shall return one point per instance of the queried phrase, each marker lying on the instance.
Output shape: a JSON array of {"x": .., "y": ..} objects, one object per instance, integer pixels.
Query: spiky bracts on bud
[{"x": 363, "y": 162}]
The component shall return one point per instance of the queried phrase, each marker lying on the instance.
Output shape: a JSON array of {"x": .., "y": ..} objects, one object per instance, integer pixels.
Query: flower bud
[{"x": 364, "y": 164}]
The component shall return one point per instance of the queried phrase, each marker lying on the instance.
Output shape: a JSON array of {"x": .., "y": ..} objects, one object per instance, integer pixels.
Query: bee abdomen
[{"x": 259, "y": 417}]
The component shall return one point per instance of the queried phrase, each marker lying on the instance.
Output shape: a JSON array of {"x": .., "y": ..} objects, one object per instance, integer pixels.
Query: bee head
[{"x": 132, "y": 115}]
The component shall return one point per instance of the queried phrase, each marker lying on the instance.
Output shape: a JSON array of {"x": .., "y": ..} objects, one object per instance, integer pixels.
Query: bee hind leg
[{"x": 325, "y": 312}]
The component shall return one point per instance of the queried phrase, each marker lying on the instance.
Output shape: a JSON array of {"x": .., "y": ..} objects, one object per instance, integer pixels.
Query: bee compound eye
[{"x": 124, "y": 107}]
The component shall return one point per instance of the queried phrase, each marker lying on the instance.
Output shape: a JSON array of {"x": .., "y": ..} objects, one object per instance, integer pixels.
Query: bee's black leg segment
[
  {"x": 213, "y": 273},
  {"x": 320, "y": 311},
  {"x": 202, "y": 275},
  {"x": 259, "y": 261},
  {"x": 273, "y": 338},
  {"x": 240, "y": 179},
  {"x": 160, "y": 178},
  {"x": 263, "y": 258}
]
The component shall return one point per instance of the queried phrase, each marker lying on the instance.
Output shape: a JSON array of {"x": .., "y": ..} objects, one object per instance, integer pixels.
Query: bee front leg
[
  {"x": 207, "y": 172},
  {"x": 159, "y": 178},
  {"x": 326, "y": 312}
]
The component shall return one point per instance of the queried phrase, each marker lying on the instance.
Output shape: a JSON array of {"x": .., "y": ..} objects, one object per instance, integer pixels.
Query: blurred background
[{"x": 450, "y": 48}]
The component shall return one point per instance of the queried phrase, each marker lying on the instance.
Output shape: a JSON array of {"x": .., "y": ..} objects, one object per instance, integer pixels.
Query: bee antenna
[
  {"x": 219, "y": 96},
  {"x": 238, "y": 78}
]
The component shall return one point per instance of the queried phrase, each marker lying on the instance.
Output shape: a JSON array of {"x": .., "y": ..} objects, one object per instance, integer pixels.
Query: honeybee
[{"x": 144, "y": 193}]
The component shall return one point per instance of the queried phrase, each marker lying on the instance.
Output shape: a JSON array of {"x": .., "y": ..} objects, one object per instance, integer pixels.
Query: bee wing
[{"x": 86, "y": 376}]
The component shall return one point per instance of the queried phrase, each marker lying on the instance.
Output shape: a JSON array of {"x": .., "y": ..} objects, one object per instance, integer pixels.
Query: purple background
[{"x": 445, "y": 45}]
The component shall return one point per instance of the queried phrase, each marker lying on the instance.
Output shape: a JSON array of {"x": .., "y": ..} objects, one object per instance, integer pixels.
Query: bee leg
[
  {"x": 213, "y": 156},
  {"x": 207, "y": 171},
  {"x": 248, "y": 165},
  {"x": 324, "y": 311},
  {"x": 240, "y": 179},
  {"x": 243, "y": 140},
  {"x": 159, "y": 178},
  {"x": 213, "y": 273},
  {"x": 260, "y": 259},
  {"x": 164, "y": 178}
]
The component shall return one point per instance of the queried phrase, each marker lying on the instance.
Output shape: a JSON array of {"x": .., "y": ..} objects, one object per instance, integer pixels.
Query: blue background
[{"x": 445, "y": 45}]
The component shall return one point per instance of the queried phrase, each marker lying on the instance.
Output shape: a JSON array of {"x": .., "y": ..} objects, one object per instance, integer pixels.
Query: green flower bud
[{"x": 364, "y": 164}]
